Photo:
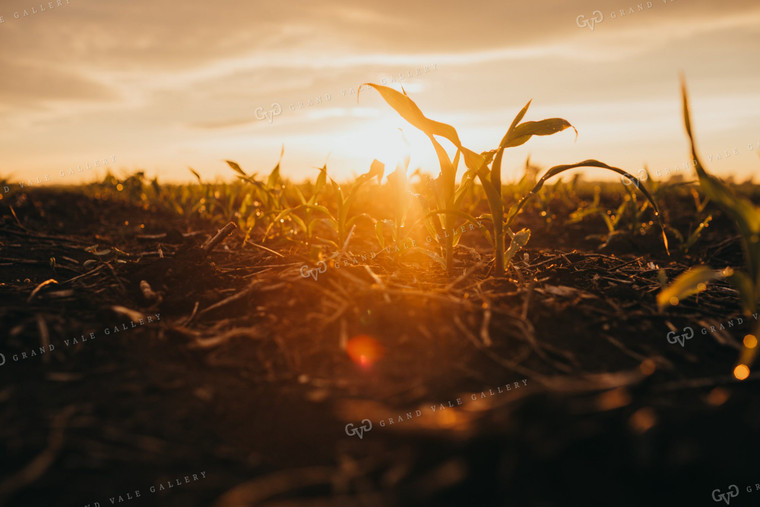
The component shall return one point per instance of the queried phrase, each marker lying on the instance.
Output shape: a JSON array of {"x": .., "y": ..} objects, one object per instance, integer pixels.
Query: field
[{"x": 384, "y": 340}]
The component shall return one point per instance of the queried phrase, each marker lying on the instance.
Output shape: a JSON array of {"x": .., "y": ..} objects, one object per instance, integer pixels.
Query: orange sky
[{"x": 163, "y": 85}]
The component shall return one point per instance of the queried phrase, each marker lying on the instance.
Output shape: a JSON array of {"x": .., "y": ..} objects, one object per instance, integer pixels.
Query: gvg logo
[
  {"x": 733, "y": 492},
  {"x": 582, "y": 22},
  {"x": 307, "y": 272},
  {"x": 673, "y": 338},
  {"x": 262, "y": 114},
  {"x": 351, "y": 430}
]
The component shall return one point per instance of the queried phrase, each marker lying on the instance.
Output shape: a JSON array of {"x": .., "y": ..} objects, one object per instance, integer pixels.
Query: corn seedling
[
  {"x": 746, "y": 218},
  {"x": 490, "y": 177},
  {"x": 448, "y": 195},
  {"x": 340, "y": 221},
  {"x": 270, "y": 193},
  {"x": 399, "y": 185}
]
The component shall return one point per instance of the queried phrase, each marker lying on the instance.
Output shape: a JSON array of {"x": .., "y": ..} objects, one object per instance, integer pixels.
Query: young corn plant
[
  {"x": 448, "y": 196},
  {"x": 308, "y": 206},
  {"x": 517, "y": 134},
  {"x": 340, "y": 221},
  {"x": 487, "y": 167},
  {"x": 746, "y": 218},
  {"x": 341, "y": 224},
  {"x": 398, "y": 182},
  {"x": 269, "y": 196}
]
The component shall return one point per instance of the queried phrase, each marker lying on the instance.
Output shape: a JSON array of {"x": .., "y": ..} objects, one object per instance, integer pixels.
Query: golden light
[
  {"x": 717, "y": 396},
  {"x": 647, "y": 367},
  {"x": 613, "y": 399},
  {"x": 642, "y": 420},
  {"x": 750, "y": 341},
  {"x": 741, "y": 371},
  {"x": 388, "y": 139},
  {"x": 364, "y": 350}
]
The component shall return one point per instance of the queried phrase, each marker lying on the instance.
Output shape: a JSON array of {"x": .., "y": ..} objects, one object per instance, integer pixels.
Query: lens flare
[{"x": 364, "y": 350}]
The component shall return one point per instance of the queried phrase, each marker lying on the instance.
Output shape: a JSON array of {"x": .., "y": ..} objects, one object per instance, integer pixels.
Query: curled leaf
[{"x": 409, "y": 111}]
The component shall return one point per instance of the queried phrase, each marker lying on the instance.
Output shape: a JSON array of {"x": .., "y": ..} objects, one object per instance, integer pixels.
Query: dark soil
[{"x": 243, "y": 376}]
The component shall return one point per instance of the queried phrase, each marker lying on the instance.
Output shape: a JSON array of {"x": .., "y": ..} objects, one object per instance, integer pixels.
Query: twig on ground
[{"x": 225, "y": 231}]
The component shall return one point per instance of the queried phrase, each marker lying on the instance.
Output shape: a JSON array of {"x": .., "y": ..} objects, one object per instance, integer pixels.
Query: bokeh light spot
[
  {"x": 717, "y": 397},
  {"x": 642, "y": 420},
  {"x": 364, "y": 350},
  {"x": 741, "y": 371}
]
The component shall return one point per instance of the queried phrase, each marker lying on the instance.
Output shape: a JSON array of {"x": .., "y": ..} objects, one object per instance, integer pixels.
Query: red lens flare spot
[{"x": 364, "y": 350}]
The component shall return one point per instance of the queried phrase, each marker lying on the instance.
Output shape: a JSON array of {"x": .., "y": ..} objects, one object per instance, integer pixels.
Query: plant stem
[
  {"x": 498, "y": 246},
  {"x": 449, "y": 255}
]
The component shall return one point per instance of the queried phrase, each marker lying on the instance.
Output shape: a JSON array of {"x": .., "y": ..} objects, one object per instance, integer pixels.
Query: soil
[{"x": 252, "y": 384}]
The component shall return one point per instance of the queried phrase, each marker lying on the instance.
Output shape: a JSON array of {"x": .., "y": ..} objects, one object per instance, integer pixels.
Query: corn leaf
[
  {"x": 447, "y": 179},
  {"x": 689, "y": 283},
  {"x": 589, "y": 163},
  {"x": 519, "y": 240},
  {"x": 432, "y": 255},
  {"x": 409, "y": 111},
  {"x": 525, "y": 131},
  {"x": 742, "y": 212},
  {"x": 320, "y": 184},
  {"x": 197, "y": 176},
  {"x": 747, "y": 291},
  {"x": 235, "y": 167},
  {"x": 379, "y": 232}
]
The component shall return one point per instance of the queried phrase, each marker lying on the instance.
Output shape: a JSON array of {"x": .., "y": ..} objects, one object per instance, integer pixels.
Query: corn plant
[
  {"x": 448, "y": 196},
  {"x": 746, "y": 218},
  {"x": 487, "y": 167},
  {"x": 340, "y": 221},
  {"x": 270, "y": 194},
  {"x": 341, "y": 224},
  {"x": 398, "y": 182}
]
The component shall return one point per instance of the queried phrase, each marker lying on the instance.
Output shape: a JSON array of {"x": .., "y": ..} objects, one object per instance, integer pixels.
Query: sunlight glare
[{"x": 364, "y": 350}]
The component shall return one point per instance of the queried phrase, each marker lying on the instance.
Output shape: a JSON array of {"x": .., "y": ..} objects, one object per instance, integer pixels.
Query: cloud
[
  {"x": 113, "y": 69},
  {"x": 32, "y": 84}
]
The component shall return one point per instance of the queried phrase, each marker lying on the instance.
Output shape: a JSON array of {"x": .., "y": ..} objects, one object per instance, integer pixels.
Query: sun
[{"x": 391, "y": 142}]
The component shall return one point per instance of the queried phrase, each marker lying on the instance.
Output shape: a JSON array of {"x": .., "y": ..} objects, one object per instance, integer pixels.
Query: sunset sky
[{"x": 163, "y": 85}]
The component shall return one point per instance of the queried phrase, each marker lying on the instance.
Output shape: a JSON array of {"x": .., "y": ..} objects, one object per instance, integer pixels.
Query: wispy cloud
[{"x": 133, "y": 77}]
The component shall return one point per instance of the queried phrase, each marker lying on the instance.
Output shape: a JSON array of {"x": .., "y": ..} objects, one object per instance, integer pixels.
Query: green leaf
[
  {"x": 235, "y": 167},
  {"x": 409, "y": 111},
  {"x": 519, "y": 133},
  {"x": 744, "y": 214},
  {"x": 320, "y": 183},
  {"x": 689, "y": 283},
  {"x": 746, "y": 289},
  {"x": 291, "y": 211},
  {"x": 519, "y": 240},
  {"x": 437, "y": 258},
  {"x": 525, "y": 131},
  {"x": 589, "y": 163},
  {"x": 274, "y": 180},
  {"x": 299, "y": 222},
  {"x": 354, "y": 218},
  {"x": 447, "y": 178},
  {"x": 379, "y": 233},
  {"x": 376, "y": 168},
  {"x": 694, "y": 236},
  {"x": 197, "y": 176},
  {"x": 300, "y": 195}
]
